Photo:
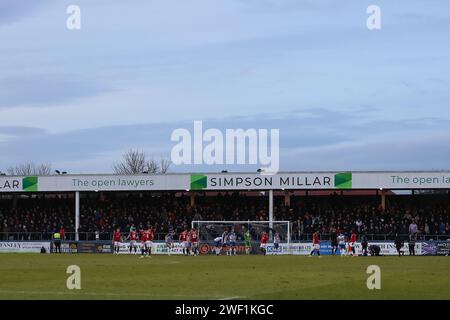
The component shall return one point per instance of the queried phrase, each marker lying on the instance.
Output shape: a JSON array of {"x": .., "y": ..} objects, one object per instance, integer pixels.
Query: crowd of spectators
[
  {"x": 32, "y": 218},
  {"x": 425, "y": 216}
]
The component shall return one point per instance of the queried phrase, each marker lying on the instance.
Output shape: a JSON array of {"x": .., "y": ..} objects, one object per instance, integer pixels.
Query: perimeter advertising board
[
  {"x": 322, "y": 180},
  {"x": 443, "y": 248},
  {"x": 157, "y": 248},
  {"x": 304, "y": 248},
  {"x": 226, "y": 181},
  {"x": 24, "y": 246},
  {"x": 93, "y": 183},
  {"x": 440, "y": 248},
  {"x": 207, "y": 247}
]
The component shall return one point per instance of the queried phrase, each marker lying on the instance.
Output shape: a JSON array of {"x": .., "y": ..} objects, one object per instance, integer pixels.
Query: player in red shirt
[
  {"x": 184, "y": 237},
  {"x": 193, "y": 239},
  {"x": 150, "y": 236},
  {"x": 316, "y": 244},
  {"x": 133, "y": 239},
  {"x": 352, "y": 243},
  {"x": 117, "y": 236},
  {"x": 264, "y": 241},
  {"x": 144, "y": 239}
]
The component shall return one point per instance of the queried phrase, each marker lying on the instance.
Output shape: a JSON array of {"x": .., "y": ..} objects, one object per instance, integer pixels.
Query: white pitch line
[
  {"x": 232, "y": 298},
  {"x": 78, "y": 292},
  {"x": 111, "y": 294}
]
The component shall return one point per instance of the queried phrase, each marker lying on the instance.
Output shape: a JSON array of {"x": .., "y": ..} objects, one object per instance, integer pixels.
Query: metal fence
[{"x": 93, "y": 236}]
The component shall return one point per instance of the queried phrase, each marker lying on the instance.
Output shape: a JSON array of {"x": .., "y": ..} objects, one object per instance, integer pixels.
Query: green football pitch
[{"x": 43, "y": 276}]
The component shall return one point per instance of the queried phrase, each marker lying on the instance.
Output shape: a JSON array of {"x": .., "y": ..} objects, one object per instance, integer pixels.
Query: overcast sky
[{"x": 343, "y": 97}]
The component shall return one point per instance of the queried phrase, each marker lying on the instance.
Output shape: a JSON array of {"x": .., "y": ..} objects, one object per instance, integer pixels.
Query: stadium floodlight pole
[
  {"x": 270, "y": 212},
  {"x": 383, "y": 198},
  {"x": 77, "y": 214}
]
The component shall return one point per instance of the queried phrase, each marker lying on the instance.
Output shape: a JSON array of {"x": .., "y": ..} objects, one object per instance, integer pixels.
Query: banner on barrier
[
  {"x": 389, "y": 248},
  {"x": 432, "y": 248},
  {"x": 69, "y": 247},
  {"x": 228, "y": 181},
  {"x": 86, "y": 247},
  {"x": 443, "y": 248},
  {"x": 24, "y": 247},
  {"x": 157, "y": 248},
  {"x": 207, "y": 247},
  {"x": 305, "y": 248}
]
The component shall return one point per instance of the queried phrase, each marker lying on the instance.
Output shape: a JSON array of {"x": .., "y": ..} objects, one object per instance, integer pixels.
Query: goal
[{"x": 209, "y": 230}]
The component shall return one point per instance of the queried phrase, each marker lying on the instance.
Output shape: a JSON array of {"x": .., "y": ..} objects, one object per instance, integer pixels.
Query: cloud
[
  {"x": 86, "y": 145},
  {"x": 271, "y": 61},
  {"x": 45, "y": 90},
  {"x": 407, "y": 152},
  {"x": 11, "y": 133},
  {"x": 312, "y": 140},
  {"x": 12, "y": 11},
  {"x": 289, "y": 6},
  {"x": 18, "y": 131}
]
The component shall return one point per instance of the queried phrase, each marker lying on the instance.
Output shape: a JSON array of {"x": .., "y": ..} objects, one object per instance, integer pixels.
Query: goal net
[{"x": 278, "y": 231}]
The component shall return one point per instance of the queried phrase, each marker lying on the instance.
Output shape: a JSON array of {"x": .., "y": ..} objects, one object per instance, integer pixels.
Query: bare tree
[
  {"x": 152, "y": 167},
  {"x": 136, "y": 162},
  {"x": 44, "y": 169},
  {"x": 29, "y": 168},
  {"x": 165, "y": 165},
  {"x": 133, "y": 162}
]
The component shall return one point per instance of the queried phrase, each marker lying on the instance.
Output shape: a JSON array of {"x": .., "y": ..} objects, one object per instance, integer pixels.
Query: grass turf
[{"x": 103, "y": 276}]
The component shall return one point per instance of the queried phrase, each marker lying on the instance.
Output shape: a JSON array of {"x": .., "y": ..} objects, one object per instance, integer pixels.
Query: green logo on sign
[
  {"x": 30, "y": 184},
  {"x": 198, "y": 181},
  {"x": 343, "y": 180}
]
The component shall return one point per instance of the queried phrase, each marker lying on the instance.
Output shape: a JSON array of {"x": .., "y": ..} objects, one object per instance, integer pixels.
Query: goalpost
[{"x": 208, "y": 230}]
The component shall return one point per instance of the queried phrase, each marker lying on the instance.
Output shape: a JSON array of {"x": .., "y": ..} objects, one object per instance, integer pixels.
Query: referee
[{"x": 57, "y": 242}]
